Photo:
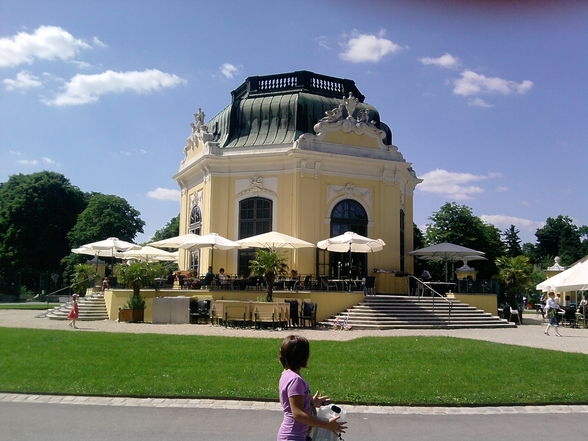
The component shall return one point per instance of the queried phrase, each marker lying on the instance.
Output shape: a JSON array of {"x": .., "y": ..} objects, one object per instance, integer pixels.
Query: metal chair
[
  {"x": 514, "y": 315},
  {"x": 308, "y": 313}
]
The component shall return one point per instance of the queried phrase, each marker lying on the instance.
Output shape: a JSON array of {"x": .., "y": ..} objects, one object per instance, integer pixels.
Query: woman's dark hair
[{"x": 294, "y": 352}]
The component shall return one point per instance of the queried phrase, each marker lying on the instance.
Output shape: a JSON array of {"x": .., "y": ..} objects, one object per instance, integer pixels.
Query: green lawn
[
  {"x": 40, "y": 306},
  {"x": 396, "y": 370}
]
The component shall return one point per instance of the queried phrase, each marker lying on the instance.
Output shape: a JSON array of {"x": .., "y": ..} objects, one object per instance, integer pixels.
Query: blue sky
[{"x": 488, "y": 102}]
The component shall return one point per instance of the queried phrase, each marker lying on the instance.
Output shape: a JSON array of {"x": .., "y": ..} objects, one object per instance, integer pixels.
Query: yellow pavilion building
[{"x": 302, "y": 154}]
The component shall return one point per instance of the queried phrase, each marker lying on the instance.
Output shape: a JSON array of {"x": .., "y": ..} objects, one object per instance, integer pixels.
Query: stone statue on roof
[{"x": 350, "y": 103}]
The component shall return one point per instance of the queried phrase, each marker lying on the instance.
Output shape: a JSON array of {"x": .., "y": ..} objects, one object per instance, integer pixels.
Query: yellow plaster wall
[
  {"x": 329, "y": 303},
  {"x": 485, "y": 302},
  {"x": 303, "y": 211}
]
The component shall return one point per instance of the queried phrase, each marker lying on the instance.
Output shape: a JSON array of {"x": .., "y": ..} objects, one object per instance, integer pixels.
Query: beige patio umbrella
[
  {"x": 273, "y": 239},
  {"x": 174, "y": 242},
  {"x": 350, "y": 242},
  {"x": 148, "y": 254},
  {"x": 211, "y": 240}
]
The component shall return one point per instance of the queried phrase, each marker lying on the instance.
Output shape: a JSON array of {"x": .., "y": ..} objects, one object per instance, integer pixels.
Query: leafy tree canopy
[
  {"x": 560, "y": 237},
  {"x": 36, "y": 213},
  {"x": 171, "y": 229},
  {"x": 457, "y": 224},
  {"x": 106, "y": 216}
]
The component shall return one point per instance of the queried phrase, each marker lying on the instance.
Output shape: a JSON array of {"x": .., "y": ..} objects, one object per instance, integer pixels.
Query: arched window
[
  {"x": 195, "y": 227},
  {"x": 348, "y": 215},
  {"x": 255, "y": 217}
]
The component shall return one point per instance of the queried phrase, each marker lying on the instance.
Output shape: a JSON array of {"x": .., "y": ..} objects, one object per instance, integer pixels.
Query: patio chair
[
  {"x": 308, "y": 313},
  {"x": 327, "y": 284},
  {"x": 514, "y": 315},
  {"x": 294, "y": 316},
  {"x": 569, "y": 317},
  {"x": 202, "y": 311}
]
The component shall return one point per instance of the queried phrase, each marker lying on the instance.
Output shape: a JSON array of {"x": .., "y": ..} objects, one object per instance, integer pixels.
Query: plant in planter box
[
  {"x": 269, "y": 264},
  {"x": 136, "y": 276}
]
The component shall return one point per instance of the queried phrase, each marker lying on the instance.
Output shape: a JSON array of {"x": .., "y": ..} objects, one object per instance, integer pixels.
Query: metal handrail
[
  {"x": 435, "y": 293},
  {"x": 67, "y": 287}
]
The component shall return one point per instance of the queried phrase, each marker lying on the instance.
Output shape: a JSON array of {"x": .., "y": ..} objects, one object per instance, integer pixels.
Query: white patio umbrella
[
  {"x": 273, "y": 239},
  {"x": 350, "y": 242},
  {"x": 574, "y": 278},
  {"x": 211, "y": 240},
  {"x": 174, "y": 242},
  {"x": 148, "y": 254}
]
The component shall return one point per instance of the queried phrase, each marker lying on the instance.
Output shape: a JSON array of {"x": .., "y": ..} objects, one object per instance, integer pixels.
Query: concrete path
[
  {"x": 530, "y": 334},
  {"x": 91, "y": 419}
]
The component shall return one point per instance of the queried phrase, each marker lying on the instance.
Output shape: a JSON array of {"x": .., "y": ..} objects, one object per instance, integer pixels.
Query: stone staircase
[
  {"x": 92, "y": 307},
  {"x": 404, "y": 312}
]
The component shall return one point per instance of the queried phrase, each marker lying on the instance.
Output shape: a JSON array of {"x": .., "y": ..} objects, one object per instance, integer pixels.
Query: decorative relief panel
[
  {"x": 349, "y": 191},
  {"x": 257, "y": 185}
]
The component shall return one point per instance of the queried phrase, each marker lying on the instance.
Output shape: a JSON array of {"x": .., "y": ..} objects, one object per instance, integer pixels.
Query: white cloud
[
  {"x": 165, "y": 194},
  {"x": 23, "y": 81},
  {"x": 14, "y": 153},
  {"x": 28, "y": 161},
  {"x": 98, "y": 43},
  {"x": 323, "y": 41},
  {"x": 479, "y": 102},
  {"x": 228, "y": 70},
  {"x": 44, "y": 160},
  {"x": 501, "y": 189},
  {"x": 503, "y": 221},
  {"x": 446, "y": 60},
  {"x": 472, "y": 83},
  {"x": 370, "y": 48},
  {"x": 45, "y": 43},
  {"x": 133, "y": 152},
  {"x": 84, "y": 89},
  {"x": 451, "y": 184}
]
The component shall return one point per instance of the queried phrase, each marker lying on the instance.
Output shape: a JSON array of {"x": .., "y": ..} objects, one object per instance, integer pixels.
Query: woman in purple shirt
[{"x": 297, "y": 402}]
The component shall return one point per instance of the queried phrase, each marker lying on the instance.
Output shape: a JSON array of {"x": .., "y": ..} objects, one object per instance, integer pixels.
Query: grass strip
[
  {"x": 26, "y": 306},
  {"x": 395, "y": 370}
]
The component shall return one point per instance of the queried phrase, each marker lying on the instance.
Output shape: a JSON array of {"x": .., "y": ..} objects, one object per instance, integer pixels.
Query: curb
[{"x": 273, "y": 406}]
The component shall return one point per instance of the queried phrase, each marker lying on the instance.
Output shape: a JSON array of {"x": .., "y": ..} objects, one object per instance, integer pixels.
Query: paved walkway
[
  {"x": 530, "y": 334},
  {"x": 274, "y": 406}
]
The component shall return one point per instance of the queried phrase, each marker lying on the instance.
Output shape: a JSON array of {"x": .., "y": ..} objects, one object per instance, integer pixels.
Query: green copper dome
[{"x": 277, "y": 109}]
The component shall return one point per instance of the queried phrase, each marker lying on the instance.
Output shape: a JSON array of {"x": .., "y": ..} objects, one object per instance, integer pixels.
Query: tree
[
  {"x": 457, "y": 224},
  {"x": 515, "y": 273},
  {"x": 106, "y": 216},
  {"x": 36, "y": 213},
  {"x": 560, "y": 237},
  {"x": 269, "y": 264},
  {"x": 512, "y": 241},
  {"x": 171, "y": 229}
]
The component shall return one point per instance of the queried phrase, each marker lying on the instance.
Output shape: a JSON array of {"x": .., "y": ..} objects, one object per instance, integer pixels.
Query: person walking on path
[
  {"x": 298, "y": 404},
  {"x": 74, "y": 312},
  {"x": 551, "y": 310}
]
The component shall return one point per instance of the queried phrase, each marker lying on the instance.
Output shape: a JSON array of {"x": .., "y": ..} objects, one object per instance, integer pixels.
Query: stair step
[{"x": 405, "y": 312}]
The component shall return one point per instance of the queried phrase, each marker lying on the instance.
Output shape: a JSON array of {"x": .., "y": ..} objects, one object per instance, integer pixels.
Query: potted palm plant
[
  {"x": 136, "y": 276},
  {"x": 269, "y": 264}
]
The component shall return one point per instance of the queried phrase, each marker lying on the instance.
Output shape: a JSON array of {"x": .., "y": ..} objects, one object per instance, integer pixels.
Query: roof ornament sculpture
[
  {"x": 200, "y": 132},
  {"x": 361, "y": 125},
  {"x": 350, "y": 104}
]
